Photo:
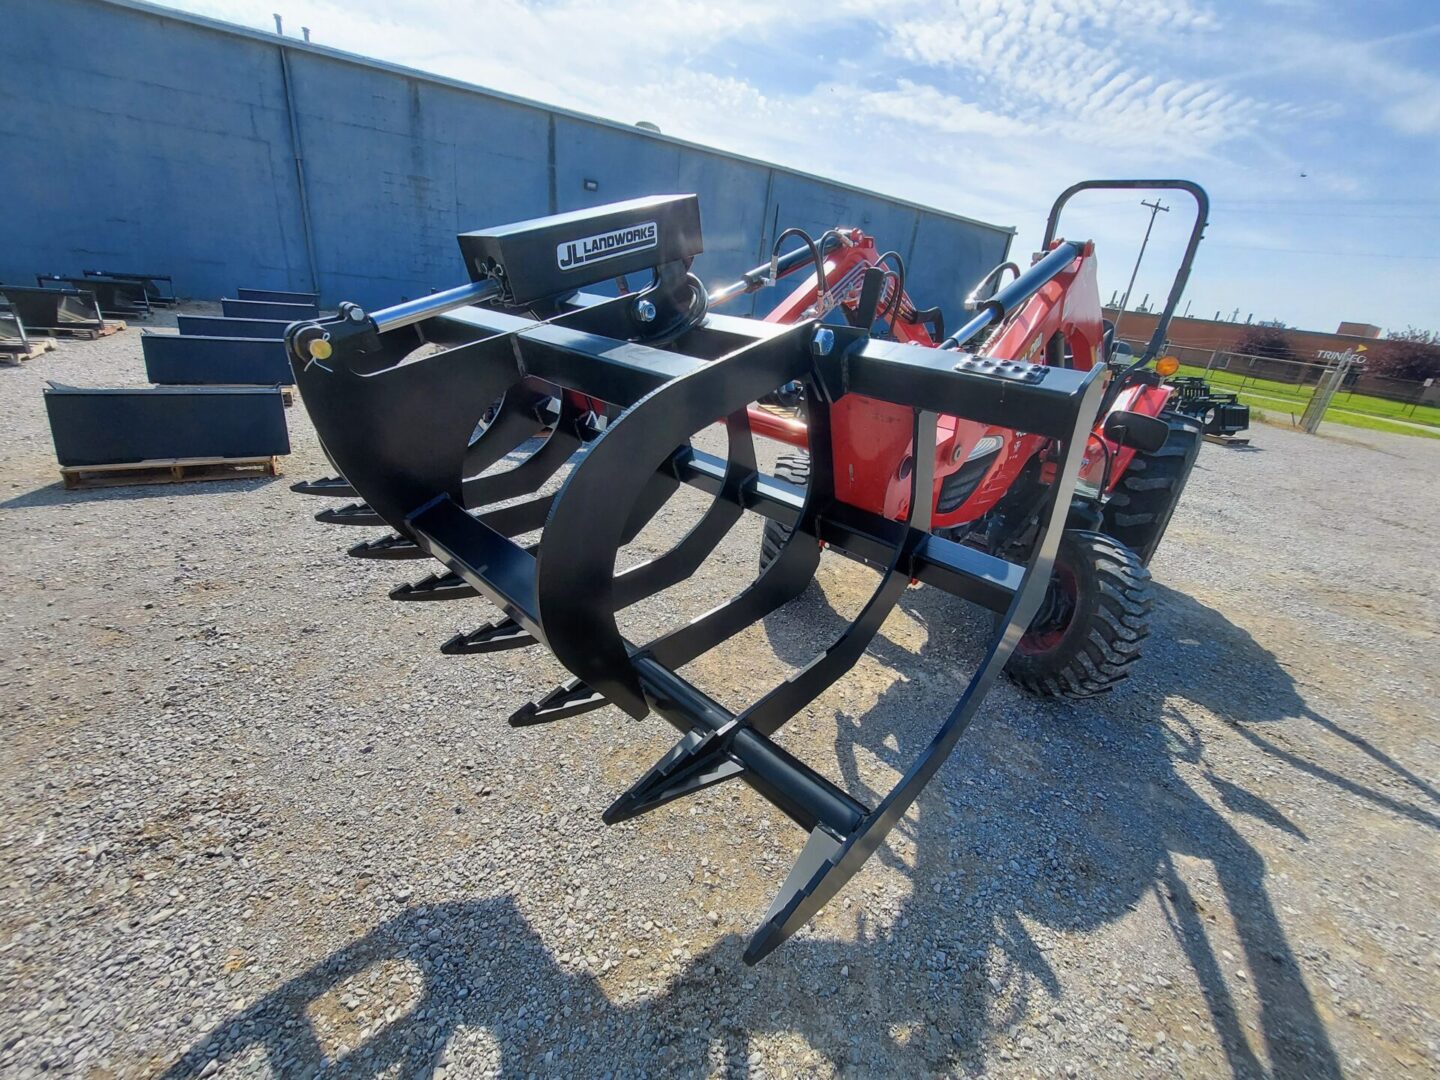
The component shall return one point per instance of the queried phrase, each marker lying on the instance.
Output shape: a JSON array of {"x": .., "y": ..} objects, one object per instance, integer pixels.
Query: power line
[{"x": 1320, "y": 251}]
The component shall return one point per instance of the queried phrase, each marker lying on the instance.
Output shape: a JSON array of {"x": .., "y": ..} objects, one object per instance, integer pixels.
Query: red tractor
[
  {"x": 1025, "y": 463},
  {"x": 989, "y": 479}
]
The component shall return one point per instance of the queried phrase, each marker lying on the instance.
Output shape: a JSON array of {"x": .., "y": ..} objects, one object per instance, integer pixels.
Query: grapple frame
[{"x": 635, "y": 377}]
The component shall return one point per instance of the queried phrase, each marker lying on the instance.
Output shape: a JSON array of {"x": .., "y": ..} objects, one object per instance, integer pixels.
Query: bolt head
[
  {"x": 356, "y": 313},
  {"x": 823, "y": 343},
  {"x": 645, "y": 311}
]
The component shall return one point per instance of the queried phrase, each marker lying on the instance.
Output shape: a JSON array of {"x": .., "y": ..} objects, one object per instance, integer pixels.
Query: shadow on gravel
[
  {"x": 58, "y": 495},
  {"x": 1219, "y": 666},
  {"x": 1085, "y": 804},
  {"x": 1057, "y": 816}
]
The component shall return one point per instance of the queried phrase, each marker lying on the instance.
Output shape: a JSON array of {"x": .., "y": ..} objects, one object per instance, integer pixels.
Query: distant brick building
[
  {"x": 1191, "y": 337},
  {"x": 1359, "y": 329}
]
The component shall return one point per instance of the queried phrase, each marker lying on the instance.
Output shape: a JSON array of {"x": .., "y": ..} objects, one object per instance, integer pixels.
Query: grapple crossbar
[{"x": 621, "y": 384}]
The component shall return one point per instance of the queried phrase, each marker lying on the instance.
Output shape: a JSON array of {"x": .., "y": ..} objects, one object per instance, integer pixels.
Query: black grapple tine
[
  {"x": 565, "y": 701},
  {"x": 519, "y": 417},
  {"x": 671, "y": 370},
  {"x": 326, "y": 485},
  {"x": 682, "y": 560},
  {"x": 446, "y": 586},
  {"x": 495, "y": 636},
  {"x": 568, "y": 431},
  {"x": 389, "y": 546},
  {"x": 350, "y": 514}
]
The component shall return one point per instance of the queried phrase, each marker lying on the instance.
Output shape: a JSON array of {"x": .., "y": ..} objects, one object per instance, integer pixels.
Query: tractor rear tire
[
  {"x": 795, "y": 468},
  {"x": 1091, "y": 624},
  {"x": 1140, "y": 508}
]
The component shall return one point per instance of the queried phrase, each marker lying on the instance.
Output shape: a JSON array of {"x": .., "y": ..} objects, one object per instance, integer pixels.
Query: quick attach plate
[{"x": 549, "y": 256}]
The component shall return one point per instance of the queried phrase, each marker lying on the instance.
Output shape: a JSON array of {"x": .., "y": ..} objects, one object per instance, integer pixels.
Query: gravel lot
[{"x": 252, "y": 822}]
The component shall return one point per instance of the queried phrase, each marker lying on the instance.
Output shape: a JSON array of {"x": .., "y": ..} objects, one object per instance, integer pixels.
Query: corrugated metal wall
[{"x": 135, "y": 138}]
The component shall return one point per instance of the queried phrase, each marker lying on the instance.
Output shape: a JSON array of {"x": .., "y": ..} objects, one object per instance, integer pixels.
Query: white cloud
[{"x": 984, "y": 107}]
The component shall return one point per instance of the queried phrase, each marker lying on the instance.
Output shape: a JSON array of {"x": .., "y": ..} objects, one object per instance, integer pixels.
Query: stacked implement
[
  {"x": 216, "y": 411},
  {"x": 294, "y": 306},
  {"x": 1222, "y": 412},
  {"x": 226, "y": 350},
  {"x": 183, "y": 359},
  {"x": 622, "y": 384}
]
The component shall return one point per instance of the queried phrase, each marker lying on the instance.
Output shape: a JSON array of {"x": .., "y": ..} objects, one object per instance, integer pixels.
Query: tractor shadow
[{"x": 1062, "y": 817}]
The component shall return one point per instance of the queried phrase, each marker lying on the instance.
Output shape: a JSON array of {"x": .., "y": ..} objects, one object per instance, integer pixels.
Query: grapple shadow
[{"x": 1066, "y": 816}]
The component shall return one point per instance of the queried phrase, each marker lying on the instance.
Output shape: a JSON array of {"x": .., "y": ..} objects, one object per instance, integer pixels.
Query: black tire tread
[
  {"x": 795, "y": 469},
  {"x": 1100, "y": 654},
  {"x": 1139, "y": 511}
]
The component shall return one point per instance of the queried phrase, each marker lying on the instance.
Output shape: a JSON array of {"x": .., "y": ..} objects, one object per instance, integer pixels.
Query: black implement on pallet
[
  {"x": 53, "y": 309},
  {"x": 265, "y": 309},
  {"x": 219, "y": 326},
  {"x": 112, "y": 295},
  {"x": 157, "y": 296},
  {"x": 398, "y": 428},
  {"x": 277, "y": 296},
  {"x": 118, "y": 425},
  {"x": 12, "y": 332},
  {"x": 178, "y": 359}
]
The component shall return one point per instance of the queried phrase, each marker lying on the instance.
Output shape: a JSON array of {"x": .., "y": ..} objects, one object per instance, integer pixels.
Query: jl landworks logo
[{"x": 574, "y": 254}]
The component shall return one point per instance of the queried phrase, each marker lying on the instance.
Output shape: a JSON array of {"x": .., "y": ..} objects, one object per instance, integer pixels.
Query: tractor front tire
[
  {"x": 1091, "y": 624},
  {"x": 1139, "y": 510},
  {"x": 795, "y": 468}
]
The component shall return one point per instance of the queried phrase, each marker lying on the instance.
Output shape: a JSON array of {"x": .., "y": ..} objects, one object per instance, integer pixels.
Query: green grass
[{"x": 1352, "y": 410}]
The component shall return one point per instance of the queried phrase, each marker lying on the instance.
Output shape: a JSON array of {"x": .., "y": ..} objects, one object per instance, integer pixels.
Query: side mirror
[{"x": 1136, "y": 430}]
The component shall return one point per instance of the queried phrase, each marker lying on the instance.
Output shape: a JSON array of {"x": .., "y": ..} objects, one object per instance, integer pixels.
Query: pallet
[
  {"x": 168, "y": 471},
  {"x": 1228, "y": 440},
  {"x": 88, "y": 333},
  {"x": 34, "y": 349}
]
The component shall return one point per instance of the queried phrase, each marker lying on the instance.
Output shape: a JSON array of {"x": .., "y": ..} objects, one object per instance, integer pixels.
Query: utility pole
[{"x": 1155, "y": 208}]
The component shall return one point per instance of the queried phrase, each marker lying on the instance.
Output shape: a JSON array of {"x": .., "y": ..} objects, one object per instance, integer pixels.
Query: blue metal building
[{"x": 137, "y": 137}]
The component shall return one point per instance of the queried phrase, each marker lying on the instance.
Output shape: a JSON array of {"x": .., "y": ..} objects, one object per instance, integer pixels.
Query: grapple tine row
[{"x": 617, "y": 387}]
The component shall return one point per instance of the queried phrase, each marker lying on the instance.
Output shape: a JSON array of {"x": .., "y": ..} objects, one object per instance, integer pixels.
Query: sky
[{"x": 1314, "y": 126}]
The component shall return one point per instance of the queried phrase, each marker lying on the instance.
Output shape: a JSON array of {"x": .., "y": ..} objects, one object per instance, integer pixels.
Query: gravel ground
[{"x": 252, "y": 822}]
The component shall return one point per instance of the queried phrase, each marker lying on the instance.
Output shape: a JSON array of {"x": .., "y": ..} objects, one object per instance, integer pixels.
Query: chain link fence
[{"x": 1307, "y": 391}]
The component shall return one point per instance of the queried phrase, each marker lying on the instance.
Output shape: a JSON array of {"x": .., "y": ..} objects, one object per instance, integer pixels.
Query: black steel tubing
[{"x": 1016, "y": 293}]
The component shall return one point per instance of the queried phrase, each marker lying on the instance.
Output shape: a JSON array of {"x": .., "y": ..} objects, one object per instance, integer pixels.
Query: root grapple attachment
[{"x": 619, "y": 386}]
